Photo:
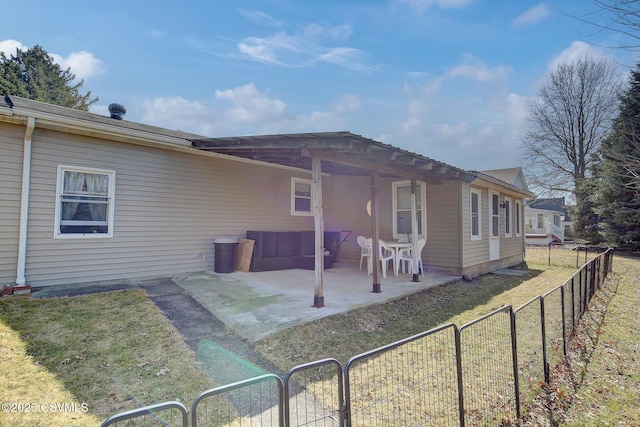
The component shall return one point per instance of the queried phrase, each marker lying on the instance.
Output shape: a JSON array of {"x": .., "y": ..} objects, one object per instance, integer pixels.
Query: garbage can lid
[{"x": 225, "y": 240}]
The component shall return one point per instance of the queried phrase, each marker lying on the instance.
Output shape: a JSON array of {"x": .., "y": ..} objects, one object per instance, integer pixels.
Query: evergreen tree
[
  {"x": 619, "y": 192},
  {"x": 586, "y": 215},
  {"x": 33, "y": 74}
]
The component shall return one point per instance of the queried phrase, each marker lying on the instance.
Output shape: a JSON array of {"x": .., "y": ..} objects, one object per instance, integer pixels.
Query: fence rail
[{"x": 480, "y": 373}]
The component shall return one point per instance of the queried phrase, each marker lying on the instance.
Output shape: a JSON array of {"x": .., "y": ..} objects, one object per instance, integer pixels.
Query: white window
[
  {"x": 507, "y": 217},
  {"x": 402, "y": 209},
  {"x": 301, "y": 197},
  {"x": 476, "y": 216},
  {"x": 84, "y": 203},
  {"x": 518, "y": 210},
  {"x": 495, "y": 215}
]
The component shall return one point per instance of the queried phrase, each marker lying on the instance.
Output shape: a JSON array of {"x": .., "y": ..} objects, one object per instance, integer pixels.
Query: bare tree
[
  {"x": 569, "y": 117},
  {"x": 621, "y": 16}
]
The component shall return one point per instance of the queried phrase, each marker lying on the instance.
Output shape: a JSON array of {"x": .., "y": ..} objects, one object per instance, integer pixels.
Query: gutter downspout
[{"x": 24, "y": 204}]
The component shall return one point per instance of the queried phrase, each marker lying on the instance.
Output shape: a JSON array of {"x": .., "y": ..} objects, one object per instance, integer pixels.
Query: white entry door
[{"x": 494, "y": 226}]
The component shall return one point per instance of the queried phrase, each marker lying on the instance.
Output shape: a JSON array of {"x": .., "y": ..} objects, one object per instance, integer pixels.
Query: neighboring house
[
  {"x": 546, "y": 221},
  {"x": 92, "y": 198}
]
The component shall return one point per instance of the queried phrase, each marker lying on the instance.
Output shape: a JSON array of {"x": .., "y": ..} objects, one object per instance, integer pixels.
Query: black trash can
[{"x": 225, "y": 254}]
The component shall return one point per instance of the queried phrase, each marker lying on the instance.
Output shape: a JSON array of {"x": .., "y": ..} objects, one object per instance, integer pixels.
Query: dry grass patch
[
  {"x": 413, "y": 383},
  {"x": 342, "y": 336},
  {"x": 598, "y": 383},
  {"x": 112, "y": 351}
]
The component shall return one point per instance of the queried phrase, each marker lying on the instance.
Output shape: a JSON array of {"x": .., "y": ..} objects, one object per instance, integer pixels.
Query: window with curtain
[
  {"x": 85, "y": 202},
  {"x": 402, "y": 209}
]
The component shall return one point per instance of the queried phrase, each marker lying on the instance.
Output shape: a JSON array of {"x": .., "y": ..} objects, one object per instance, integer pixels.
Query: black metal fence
[{"x": 478, "y": 374}]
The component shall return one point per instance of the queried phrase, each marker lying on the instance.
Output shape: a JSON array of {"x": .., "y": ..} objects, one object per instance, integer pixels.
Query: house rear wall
[
  {"x": 169, "y": 206},
  {"x": 11, "y": 143}
]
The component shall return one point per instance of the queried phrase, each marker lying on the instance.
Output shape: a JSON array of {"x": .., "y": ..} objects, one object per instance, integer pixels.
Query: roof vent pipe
[{"x": 117, "y": 111}]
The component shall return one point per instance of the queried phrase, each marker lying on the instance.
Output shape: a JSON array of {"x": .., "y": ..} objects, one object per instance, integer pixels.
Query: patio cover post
[
  {"x": 414, "y": 231},
  {"x": 375, "y": 243},
  {"x": 316, "y": 172}
]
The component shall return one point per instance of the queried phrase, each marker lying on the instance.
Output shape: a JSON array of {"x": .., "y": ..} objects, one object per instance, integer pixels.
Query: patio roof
[{"x": 342, "y": 153}]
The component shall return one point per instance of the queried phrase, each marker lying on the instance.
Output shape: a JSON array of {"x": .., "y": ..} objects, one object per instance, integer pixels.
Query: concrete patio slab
[
  {"x": 255, "y": 305},
  {"x": 220, "y": 315}
]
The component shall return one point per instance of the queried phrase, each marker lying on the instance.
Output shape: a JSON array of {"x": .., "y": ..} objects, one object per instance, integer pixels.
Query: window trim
[
  {"x": 110, "y": 203},
  {"x": 294, "y": 181},
  {"x": 421, "y": 189},
  {"x": 518, "y": 211},
  {"x": 494, "y": 229},
  {"x": 478, "y": 192},
  {"x": 508, "y": 217}
]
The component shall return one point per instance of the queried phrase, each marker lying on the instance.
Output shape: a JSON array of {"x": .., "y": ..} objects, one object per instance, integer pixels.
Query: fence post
[
  {"x": 592, "y": 279},
  {"x": 545, "y": 363},
  {"x": 580, "y": 293},
  {"x": 573, "y": 305},
  {"x": 460, "y": 383},
  {"x": 564, "y": 323},
  {"x": 514, "y": 352}
]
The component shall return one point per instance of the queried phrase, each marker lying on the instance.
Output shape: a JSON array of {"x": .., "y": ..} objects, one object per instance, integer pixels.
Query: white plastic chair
[
  {"x": 386, "y": 254},
  {"x": 365, "y": 251},
  {"x": 405, "y": 256}
]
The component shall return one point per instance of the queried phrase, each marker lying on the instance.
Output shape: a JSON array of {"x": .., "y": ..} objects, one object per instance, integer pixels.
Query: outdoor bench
[{"x": 283, "y": 250}]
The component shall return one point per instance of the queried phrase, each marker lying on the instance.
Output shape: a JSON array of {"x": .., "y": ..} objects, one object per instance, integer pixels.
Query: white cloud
[
  {"x": 336, "y": 32},
  {"x": 576, "y": 51},
  {"x": 8, "y": 47},
  {"x": 82, "y": 64},
  {"x": 251, "y": 106},
  {"x": 258, "y": 17},
  {"x": 476, "y": 69},
  {"x": 533, "y": 15},
  {"x": 243, "y": 110},
  {"x": 311, "y": 45},
  {"x": 346, "y": 57},
  {"x": 179, "y": 114},
  {"x": 422, "y": 5},
  {"x": 467, "y": 123},
  {"x": 276, "y": 49}
]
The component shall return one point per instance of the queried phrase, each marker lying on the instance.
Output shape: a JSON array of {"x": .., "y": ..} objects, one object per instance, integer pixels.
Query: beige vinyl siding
[
  {"x": 11, "y": 148},
  {"x": 349, "y": 196},
  {"x": 514, "y": 245},
  {"x": 475, "y": 251},
  {"x": 346, "y": 210},
  {"x": 443, "y": 225},
  {"x": 169, "y": 206}
]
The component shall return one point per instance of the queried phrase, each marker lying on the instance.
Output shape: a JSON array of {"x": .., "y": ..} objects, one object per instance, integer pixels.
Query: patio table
[{"x": 397, "y": 246}]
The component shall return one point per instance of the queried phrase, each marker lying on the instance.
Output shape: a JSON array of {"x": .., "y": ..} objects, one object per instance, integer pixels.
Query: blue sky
[{"x": 448, "y": 79}]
